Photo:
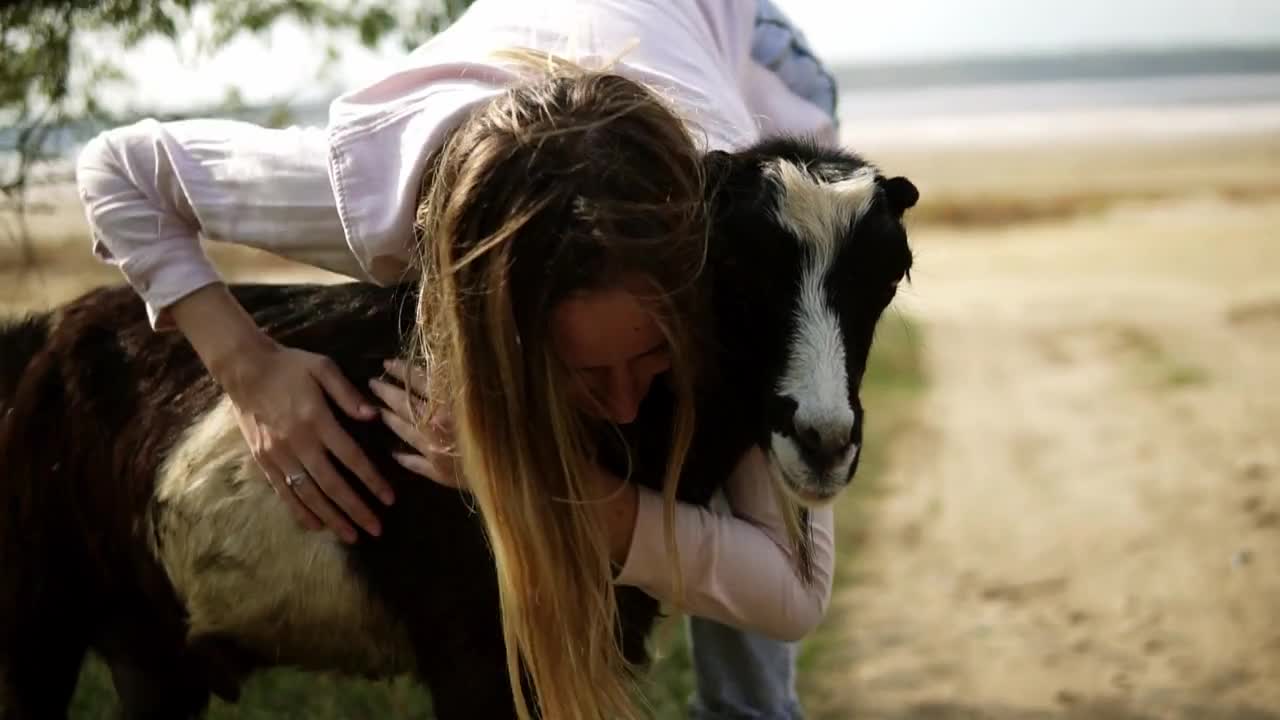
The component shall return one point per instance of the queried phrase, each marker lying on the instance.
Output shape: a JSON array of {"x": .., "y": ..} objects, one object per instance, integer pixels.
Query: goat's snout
[
  {"x": 824, "y": 435},
  {"x": 824, "y": 442}
]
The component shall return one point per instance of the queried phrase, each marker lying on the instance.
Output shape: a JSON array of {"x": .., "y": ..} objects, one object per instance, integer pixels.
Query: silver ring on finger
[{"x": 296, "y": 480}]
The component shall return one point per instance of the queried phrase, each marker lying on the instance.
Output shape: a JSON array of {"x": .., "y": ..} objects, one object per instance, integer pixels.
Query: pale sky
[
  {"x": 866, "y": 31},
  {"x": 840, "y": 31}
]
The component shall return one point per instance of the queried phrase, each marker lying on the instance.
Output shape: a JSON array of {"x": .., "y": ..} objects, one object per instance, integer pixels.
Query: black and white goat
[{"x": 134, "y": 521}]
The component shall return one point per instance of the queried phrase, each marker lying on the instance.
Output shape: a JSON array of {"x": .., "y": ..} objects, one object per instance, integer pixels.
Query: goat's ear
[{"x": 901, "y": 194}]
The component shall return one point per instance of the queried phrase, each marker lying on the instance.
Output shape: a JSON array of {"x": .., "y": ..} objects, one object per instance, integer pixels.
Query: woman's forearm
[
  {"x": 221, "y": 332},
  {"x": 152, "y": 190},
  {"x": 617, "y": 504},
  {"x": 737, "y": 568}
]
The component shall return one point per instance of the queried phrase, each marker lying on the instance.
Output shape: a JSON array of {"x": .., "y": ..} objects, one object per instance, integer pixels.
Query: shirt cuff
[{"x": 164, "y": 277}]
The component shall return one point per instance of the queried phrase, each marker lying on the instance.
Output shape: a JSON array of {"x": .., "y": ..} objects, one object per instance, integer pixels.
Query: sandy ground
[{"x": 1085, "y": 520}]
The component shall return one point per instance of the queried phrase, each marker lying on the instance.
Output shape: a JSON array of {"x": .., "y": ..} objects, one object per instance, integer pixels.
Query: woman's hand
[
  {"x": 280, "y": 396},
  {"x": 614, "y": 500},
  {"x": 406, "y": 414},
  {"x": 283, "y": 412}
]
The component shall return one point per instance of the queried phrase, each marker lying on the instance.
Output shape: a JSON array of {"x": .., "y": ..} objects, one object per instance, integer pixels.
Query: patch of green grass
[
  {"x": 894, "y": 380},
  {"x": 1153, "y": 362},
  {"x": 669, "y": 683},
  {"x": 278, "y": 694},
  {"x": 95, "y": 697},
  {"x": 1177, "y": 376}
]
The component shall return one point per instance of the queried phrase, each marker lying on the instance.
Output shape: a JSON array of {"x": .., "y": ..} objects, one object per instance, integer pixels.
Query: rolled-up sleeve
[
  {"x": 736, "y": 568},
  {"x": 152, "y": 190}
]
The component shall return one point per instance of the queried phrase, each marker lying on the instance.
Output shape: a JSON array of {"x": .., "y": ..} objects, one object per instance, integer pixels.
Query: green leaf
[
  {"x": 375, "y": 23},
  {"x": 41, "y": 41}
]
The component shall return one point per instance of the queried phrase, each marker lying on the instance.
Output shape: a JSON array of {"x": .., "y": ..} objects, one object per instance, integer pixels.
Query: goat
[{"x": 137, "y": 524}]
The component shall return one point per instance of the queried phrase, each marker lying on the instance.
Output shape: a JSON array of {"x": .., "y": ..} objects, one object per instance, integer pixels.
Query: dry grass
[
  {"x": 988, "y": 188},
  {"x": 995, "y": 211}
]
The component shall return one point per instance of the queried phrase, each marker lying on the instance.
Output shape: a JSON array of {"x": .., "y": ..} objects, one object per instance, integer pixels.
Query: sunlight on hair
[{"x": 560, "y": 184}]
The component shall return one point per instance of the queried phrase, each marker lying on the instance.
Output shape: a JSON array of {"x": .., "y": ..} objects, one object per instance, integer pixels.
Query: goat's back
[{"x": 130, "y": 483}]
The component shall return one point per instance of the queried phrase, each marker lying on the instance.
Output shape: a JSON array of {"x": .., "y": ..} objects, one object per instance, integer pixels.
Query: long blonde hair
[{"x": 557, "y": 186}]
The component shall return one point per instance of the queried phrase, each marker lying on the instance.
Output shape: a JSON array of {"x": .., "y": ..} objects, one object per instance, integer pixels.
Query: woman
[{"x": 491, "y": 166}]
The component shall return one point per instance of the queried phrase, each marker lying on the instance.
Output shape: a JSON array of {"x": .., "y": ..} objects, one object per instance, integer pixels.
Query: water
[
  {"x": 1045, "y": 99},
  {"x": 1188, "y": 91},
  {"x": 1066, "y": 110}
]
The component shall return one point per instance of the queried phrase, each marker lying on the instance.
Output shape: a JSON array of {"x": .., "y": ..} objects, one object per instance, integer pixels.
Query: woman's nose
[{"x": 626, "y": 390}]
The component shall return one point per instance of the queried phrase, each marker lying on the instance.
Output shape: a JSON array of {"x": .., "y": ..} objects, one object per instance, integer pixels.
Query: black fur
[{"x": 19, "y": 342}]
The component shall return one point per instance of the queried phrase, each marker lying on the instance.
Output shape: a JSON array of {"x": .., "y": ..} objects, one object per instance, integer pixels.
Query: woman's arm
[
  {"x": 149, "y": 191},
  {"x": 737, "y": 569}
]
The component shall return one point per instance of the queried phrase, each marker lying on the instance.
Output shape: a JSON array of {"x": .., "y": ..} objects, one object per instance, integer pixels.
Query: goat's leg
[
  {"x": 464, "y": 664},
  {"x": 152, "y": 691},
  {"x": 41, "y": 668},
  {"x": 470, "y": 686},
  {"x": 156, "y": 672}
]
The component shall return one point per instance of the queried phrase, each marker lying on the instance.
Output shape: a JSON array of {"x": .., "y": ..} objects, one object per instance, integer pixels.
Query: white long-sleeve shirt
[{"x": 343, "y": 197}]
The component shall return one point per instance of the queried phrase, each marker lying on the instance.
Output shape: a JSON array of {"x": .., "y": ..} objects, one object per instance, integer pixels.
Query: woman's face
[{"x": 613, "y": 348}]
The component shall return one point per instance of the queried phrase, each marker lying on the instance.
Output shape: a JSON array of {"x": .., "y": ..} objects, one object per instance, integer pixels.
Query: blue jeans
[
  {"x": 782, "y": 48},
  {"x": 741, "y": 675}
]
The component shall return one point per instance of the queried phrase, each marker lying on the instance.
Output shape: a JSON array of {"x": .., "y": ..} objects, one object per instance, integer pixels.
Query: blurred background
[{"x": 1071, "y": 502}]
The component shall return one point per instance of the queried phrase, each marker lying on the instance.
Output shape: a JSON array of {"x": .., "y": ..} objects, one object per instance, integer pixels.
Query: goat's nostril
[
  {"x": 844, "y": 438},
  {"x": 809, "y": 439},
  {"x": 824, "y": 446}
]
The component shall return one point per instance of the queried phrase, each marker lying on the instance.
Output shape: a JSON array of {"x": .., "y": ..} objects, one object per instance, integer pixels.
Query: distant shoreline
[
  {"x": 1120, "y": 96},
  {"x": 1099, "y": 64}
]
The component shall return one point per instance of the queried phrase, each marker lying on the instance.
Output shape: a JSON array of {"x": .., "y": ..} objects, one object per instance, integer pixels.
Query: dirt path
[{"x": 1086, "y": 522}]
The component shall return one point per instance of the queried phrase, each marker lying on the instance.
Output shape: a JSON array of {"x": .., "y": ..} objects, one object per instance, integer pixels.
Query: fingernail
[{"x": 386, "y": 497}]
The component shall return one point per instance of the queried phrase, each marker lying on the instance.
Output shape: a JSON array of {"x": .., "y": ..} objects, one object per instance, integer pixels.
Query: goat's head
[{"x": 815, "y": 246}]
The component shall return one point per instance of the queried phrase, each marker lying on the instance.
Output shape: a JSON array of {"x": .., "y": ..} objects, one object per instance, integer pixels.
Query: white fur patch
[
  {"x": 820, "y": 215},
  {"x": 243, "y": 566}
]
